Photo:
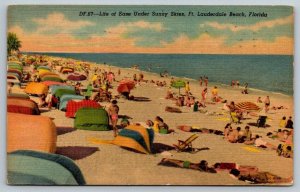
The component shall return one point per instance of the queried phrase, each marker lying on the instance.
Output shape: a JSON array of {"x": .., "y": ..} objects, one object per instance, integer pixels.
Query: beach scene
[{"x": 150, "y": 95}]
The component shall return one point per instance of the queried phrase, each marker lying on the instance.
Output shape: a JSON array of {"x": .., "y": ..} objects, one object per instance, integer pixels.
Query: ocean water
[{"x": 265, "y": 72}]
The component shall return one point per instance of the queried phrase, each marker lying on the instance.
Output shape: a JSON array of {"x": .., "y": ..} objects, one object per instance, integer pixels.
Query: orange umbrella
[
  {"x": 247, "y": 106},
  {"x": 129, "y": 83}
]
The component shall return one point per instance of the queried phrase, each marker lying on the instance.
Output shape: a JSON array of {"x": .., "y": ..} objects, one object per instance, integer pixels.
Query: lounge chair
[
  {"x": 261, "y": 122},
  {"x": 185, "y": 145}
]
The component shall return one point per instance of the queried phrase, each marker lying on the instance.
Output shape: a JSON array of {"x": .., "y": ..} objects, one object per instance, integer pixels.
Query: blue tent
[
  {"x": 25, "y": 167},
  {"x": 65, "y": 98}
]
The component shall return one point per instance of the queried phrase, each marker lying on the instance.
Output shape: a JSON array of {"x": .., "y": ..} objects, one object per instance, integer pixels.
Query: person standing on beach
[
  {"x": 204, "y": 94},
  {"x": 214, "y": 94},
  {"x": 267, "y": 104},
  {"x": 187, "y": 88},
  {"x": 200, "y": 81},
  {"x": 232, "y": 83},
  {"x": 113, "y": 111},
  {"x": 206, "y": 81}
]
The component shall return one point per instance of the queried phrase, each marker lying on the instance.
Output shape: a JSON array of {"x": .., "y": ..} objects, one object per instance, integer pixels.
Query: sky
[{"x": 62, "y": 29}]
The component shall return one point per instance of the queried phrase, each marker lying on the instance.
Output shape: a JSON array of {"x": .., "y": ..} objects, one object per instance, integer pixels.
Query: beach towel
[{"x": 251, "y": 149}]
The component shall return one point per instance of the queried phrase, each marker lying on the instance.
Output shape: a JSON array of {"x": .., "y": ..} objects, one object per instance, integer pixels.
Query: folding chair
[
  {"x": 185, "y": 145},
  {"x": 261, "y": 122}
]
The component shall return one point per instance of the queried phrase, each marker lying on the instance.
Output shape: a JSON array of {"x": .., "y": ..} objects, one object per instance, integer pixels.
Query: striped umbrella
[{"x": 247, "y": 106}]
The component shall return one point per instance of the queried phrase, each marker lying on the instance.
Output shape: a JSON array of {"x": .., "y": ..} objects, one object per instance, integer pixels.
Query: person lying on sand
[
  {"x": 259, "y": 177},
  {"x": 280, "y": 135},
  {"x": 244, "y": 169},
  {"x": 202, "y": 166},
  {"x": 259, "y": 142}
]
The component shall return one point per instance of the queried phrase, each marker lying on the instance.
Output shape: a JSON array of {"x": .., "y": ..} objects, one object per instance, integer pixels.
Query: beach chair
[
  {"x": 261, "y": 122},
  {"x": 185, "y": 145}
]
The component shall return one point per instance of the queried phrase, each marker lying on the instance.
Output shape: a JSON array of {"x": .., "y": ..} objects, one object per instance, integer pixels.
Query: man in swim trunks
[
  {"x": 113, "y": 111},
  {"x": 201, "y": 166},
  {"x": 267, "y": 104}
]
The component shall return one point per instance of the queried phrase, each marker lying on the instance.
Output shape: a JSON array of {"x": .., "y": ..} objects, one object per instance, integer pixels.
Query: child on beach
[
  {"x": 214, "y": 93},
  {"x": 113, "y": 111}
]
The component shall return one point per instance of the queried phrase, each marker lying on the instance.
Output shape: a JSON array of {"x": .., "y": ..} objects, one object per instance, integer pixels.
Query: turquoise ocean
[{"x": 264, "y": 72}]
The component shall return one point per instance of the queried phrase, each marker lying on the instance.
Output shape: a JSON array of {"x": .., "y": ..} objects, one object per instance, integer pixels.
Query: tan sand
[{"x": 112, "y": 165}]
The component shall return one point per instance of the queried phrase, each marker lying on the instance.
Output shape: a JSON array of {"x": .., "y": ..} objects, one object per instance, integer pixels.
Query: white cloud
[
  {"x": 58, "y": 21},
  {"x": 254, "y": 27}
]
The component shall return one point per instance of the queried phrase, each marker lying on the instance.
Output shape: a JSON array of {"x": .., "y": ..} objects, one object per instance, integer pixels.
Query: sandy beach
[{"x": 113, "y": 165}]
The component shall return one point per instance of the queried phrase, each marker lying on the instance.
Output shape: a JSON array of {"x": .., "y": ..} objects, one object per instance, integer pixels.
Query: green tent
[
  {"x": 25, "y": 167},
  {"x": 61, "y": 92},
  {"x": 95, "y": 119},
  {"x": 49, "y": 78},
  {"x": 15, "y": 66}
]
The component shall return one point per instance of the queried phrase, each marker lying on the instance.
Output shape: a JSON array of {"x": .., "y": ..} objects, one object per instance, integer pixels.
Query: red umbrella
[
  {"x": 129, "y": 83},
  {"x": 123, "y": 88}
]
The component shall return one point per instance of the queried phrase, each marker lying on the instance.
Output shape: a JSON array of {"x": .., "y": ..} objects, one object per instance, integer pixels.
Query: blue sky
[{"x": 153, "y": 34}]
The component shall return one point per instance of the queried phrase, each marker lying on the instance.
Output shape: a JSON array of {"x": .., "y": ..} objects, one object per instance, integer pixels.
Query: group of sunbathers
[{"x": 242, "y": 172}]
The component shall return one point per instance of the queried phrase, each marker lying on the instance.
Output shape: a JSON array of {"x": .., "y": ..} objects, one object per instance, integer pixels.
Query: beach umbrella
[
  {"x": 135, "y": 137},
  {"x": 178, "y": 84},
  {"x": 41, "y": 71},
  {"x": 130, "y": 84},
  {"x": 48, "y": 73},
  {"x": 43, "y": 67},
  {"x": 125, "y": 86},
  {"x": 49, "y": 83},
  {"x": 15, "y": 71},
  {"x": 247, "y": 106},
  {"x": 52, "y": 78},
  {"x": 76, "y": 77}
]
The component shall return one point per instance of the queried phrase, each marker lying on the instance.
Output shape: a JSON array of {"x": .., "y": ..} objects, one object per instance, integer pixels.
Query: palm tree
[{"x": 13, "y": 43}]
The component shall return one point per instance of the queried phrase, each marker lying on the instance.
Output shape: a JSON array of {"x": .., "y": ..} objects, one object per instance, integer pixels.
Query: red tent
[{"x": 73, "y": 106}]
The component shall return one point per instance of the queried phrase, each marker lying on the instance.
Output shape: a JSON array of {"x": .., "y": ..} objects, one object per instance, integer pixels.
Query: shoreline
[{"x": 252, "y": 89}]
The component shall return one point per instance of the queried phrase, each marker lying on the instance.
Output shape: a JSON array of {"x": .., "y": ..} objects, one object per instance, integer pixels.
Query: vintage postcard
[{"x": 150, "y": 95}]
